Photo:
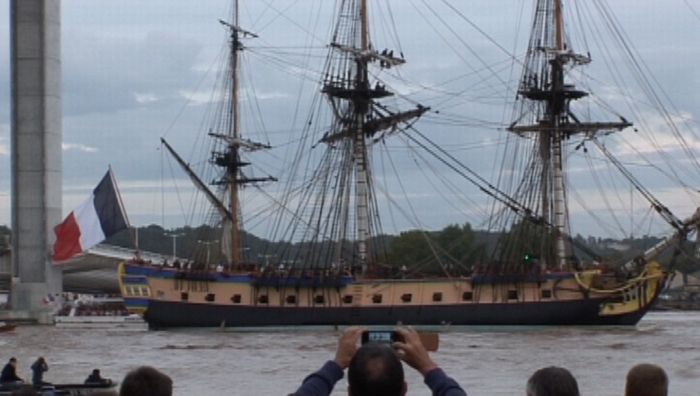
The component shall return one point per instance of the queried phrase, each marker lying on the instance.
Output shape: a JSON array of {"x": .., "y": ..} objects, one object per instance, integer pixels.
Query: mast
[
  {"x": 230, "y": 158},
  {"x": 358, "y": 118},
  {"x": 558, "y": 179},
  {"x": 547, "y": 111},
  {"x": 559, "y": 21},
  {"x": 360, "y": 148},
  {"x": 234, "y": 133}
]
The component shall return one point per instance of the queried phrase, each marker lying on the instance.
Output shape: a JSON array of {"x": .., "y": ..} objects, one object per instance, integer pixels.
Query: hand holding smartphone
[{"x": 429, "y": 340}]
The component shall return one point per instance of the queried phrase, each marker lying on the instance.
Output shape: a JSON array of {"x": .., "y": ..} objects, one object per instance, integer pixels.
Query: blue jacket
[
  {"x": 321, "y": 383},
  {"x": 38, "y": 369}
]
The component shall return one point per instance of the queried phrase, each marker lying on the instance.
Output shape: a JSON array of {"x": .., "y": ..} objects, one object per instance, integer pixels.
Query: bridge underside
[
  {"x": 98, "y": 281},
  {"x": 96, "y": 270}
]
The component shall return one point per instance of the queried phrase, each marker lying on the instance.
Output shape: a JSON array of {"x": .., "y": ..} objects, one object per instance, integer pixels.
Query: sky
[{"x": 136, "y": 70}]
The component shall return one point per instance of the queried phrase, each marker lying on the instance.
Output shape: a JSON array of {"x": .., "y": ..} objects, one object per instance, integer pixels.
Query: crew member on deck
[{"x": 9, "y": 373}]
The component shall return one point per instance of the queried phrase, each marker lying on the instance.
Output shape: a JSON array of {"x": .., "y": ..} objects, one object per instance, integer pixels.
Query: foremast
[
  {"x": 545, "y": 115},
  {"x": 358, "y": 118},
  {"x": 229, "y": 159}
]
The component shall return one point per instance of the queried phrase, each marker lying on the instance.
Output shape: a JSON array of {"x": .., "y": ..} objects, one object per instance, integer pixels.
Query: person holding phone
[
  {"x": 39, "y": 367},
  {"x": 375, "y": 369}
]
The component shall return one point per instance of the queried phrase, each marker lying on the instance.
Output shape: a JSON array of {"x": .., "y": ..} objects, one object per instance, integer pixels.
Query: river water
[{"x": 484, "y": 360}]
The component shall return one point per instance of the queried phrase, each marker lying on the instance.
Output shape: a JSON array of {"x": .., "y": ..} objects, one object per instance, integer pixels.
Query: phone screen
[{"x": 385, "y": 337}]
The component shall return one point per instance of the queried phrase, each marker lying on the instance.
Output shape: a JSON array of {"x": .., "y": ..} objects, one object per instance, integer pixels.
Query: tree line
[{"x": 456, "y": 246}]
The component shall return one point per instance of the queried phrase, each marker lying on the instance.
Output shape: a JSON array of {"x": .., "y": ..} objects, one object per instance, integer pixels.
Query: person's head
[
  {"x": 552, "y": 381},
  {"x": 13, "y": 361},
  {"x": 146, "y": 381},
  {"x": 375, "y": 370},
  {"x": 646, "y": 380},
  {"x": 95, "y": 372}
]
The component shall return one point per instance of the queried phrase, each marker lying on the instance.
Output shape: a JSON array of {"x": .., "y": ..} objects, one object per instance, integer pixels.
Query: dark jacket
[
  {"x": 95, "y": 379},
  {"x": 38, "y": 369},
  {"x": 321, "y": 383},
  {"x": 9, "y": 374}
]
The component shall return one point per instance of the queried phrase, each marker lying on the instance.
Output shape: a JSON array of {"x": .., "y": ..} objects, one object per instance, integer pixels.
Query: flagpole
[{"x": 134, "y": 238}]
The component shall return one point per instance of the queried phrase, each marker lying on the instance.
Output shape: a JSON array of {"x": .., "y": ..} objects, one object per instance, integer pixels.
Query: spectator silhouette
[
  {"x": 9, "y": 373},
  {"x": 646, "y": 380},
  {"x": 39, "y": 367},
  {"x": 376, "y": 370},
  {"x": 552, "y": 381},
  {"x": 146, "y": 381}
]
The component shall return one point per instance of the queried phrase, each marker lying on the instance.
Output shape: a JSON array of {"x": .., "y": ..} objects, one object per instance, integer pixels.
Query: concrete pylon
[{"x": 36, "y": 152}]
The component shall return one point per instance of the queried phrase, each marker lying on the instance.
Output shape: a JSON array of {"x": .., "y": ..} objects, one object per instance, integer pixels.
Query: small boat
[
  {"x": 91, "y": 312},
  {"x": 5, "y": 327},
  {"x": 81, "y": 389},
  {"x": 63, "y": 389},
  {"x": 130, "y": 322}
]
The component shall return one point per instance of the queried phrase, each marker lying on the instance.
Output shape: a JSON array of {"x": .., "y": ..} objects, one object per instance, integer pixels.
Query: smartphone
[
  {"x": 429, "y": 340},
  {"x": 381, "y": 336}
]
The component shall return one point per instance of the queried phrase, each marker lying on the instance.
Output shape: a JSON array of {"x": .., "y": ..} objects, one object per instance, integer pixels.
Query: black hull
[{"x": 585, "y": 312}]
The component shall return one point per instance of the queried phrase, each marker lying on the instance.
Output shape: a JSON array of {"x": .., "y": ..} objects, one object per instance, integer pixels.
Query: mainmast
[
  {"x": 230, "y": 158},
  {"x": 551, "y": 119},
  {"x": 235, "y": 134},
  {"x": 360, "y": 147},
  {"x": 352, "y": 96}
]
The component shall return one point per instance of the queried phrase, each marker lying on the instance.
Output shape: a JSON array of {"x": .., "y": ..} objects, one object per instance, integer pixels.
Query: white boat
[
  {"x": 130, "y": 322},
  {"x": 89, "y": 312}
]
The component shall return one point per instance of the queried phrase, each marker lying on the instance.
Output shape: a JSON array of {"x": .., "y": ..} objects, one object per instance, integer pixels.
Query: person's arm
[
  {"x": 416, "y": 356},
  {"x": 442, "y": 385},
  {"x": 321, "y": 383}
]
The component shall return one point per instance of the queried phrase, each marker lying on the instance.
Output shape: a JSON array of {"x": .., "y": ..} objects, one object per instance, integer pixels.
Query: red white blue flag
[{"x": 100, "y": 216}]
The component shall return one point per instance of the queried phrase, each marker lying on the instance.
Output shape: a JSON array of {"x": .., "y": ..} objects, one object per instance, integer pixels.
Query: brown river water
[{"x": 484, "y": 360}]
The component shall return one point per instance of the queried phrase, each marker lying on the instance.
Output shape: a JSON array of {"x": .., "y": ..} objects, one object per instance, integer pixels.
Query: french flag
[{"x": 96, "y": 219}]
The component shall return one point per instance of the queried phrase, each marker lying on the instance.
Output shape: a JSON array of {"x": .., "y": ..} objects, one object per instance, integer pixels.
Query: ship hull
[
  {"x": 171, "y": 298},
  {"x": 165, "y": 314}
]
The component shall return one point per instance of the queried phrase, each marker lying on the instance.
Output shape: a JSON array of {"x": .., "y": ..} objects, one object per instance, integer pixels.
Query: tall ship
[{"x": 337, "y": 267}]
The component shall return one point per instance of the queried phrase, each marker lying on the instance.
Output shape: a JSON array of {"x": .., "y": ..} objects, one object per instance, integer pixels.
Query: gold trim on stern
[{"x": 629, "y": 296}]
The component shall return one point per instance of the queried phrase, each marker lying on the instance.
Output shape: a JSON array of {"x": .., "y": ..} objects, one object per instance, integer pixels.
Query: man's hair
[
  {"x": 552, "y": 381},
  {"x": 375, "y": 370},
  {"x": 646, "y": 380},
  {"x": 146, "y": 381}
]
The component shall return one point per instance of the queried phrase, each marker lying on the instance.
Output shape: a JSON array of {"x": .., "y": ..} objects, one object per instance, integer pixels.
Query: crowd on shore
[{"x": 374, "y": 369}]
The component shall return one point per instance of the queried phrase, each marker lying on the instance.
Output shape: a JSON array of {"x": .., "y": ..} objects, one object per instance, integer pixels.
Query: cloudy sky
[{"x": 136, "y": 70}]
